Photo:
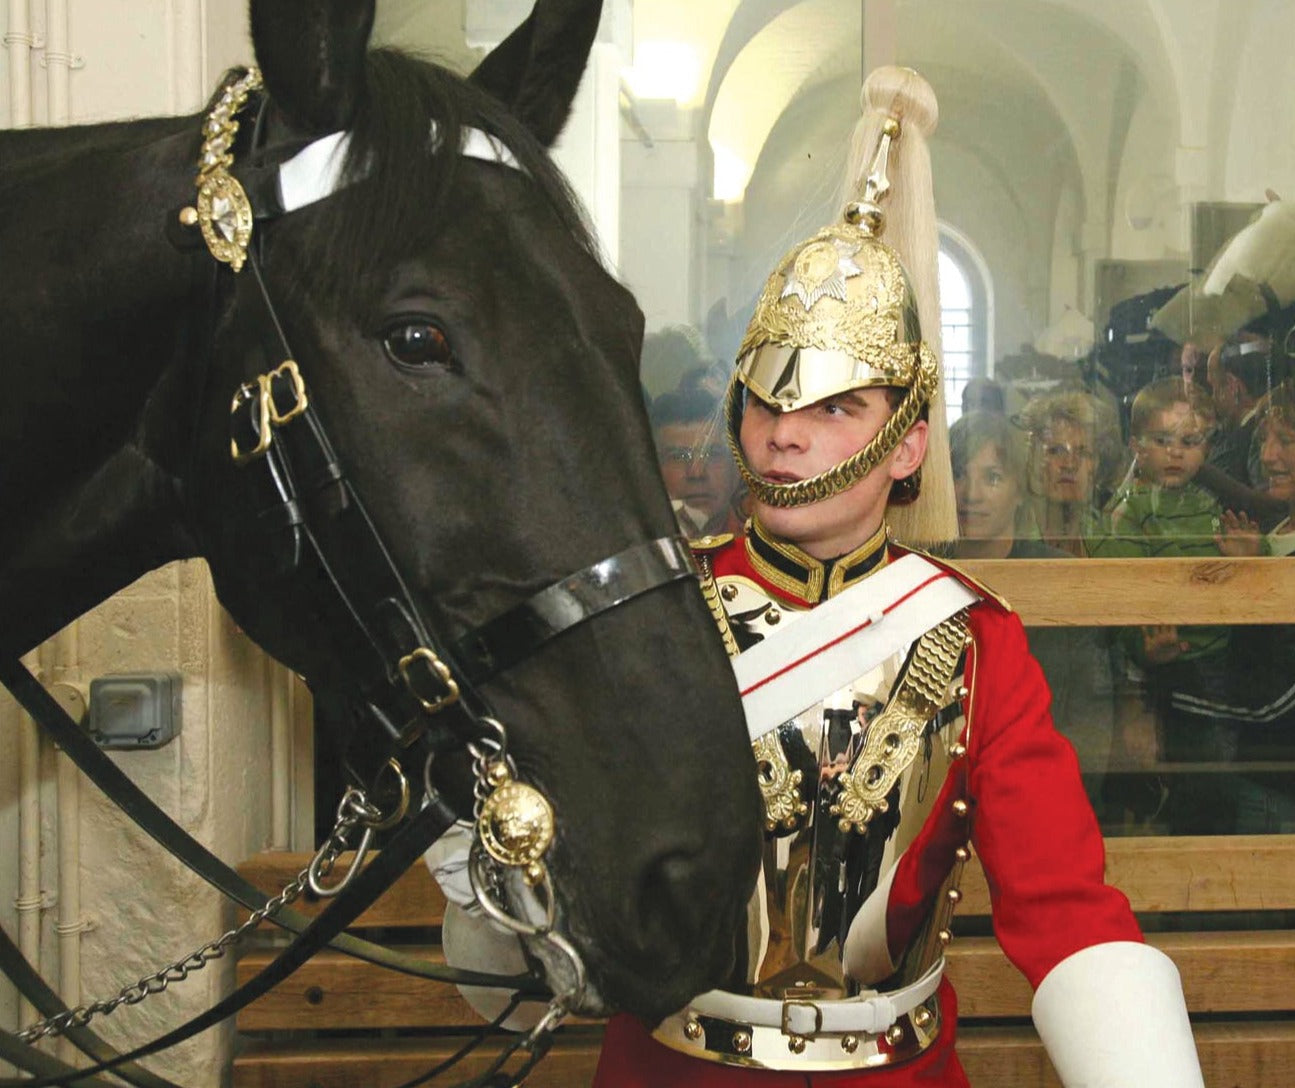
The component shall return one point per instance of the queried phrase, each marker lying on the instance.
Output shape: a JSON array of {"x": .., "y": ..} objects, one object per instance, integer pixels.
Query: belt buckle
[{"x": 788, "y": 1005}]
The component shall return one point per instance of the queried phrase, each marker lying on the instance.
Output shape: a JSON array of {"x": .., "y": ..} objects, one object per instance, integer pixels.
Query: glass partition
[{"x": 1118, "y": 317}]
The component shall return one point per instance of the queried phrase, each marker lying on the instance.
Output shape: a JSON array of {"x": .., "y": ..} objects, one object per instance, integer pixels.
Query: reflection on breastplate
[
  {"x": 857, "y": 776},
  {"x": 862, "y": 813}
]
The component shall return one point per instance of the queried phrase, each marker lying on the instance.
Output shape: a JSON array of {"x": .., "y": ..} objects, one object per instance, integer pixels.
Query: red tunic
[{"x": 1030, "y": 824}]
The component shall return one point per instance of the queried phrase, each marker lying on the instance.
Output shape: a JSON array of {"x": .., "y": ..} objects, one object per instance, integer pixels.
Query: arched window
[{"x": 966, "y": 311}]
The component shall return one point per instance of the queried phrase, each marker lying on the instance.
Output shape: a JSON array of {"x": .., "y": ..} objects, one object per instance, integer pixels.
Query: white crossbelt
[
  {"x": 872, "y": 1013},
  {"x": 844, "y": 638}
]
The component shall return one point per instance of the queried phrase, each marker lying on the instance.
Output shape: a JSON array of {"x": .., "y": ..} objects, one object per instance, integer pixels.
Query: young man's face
[
  {"x": 1172, "y": 447},
  {"x": 784, "y": 447},
  {"x": 697, "y": 467}
]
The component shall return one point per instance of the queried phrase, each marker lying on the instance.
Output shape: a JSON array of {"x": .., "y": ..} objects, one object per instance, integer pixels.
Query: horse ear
[
  {"x": 536, "y": 70},
  {"x": 311, "y": 56}
]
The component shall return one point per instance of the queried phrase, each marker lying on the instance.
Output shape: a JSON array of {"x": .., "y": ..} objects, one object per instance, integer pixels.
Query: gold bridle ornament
[
  {"x": 515, "y": 823},
  {"x": 221, "y": 210},
  {"x": 837, "y": 314}
]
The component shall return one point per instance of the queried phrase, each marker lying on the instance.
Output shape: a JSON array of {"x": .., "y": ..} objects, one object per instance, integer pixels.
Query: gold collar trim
[{"x": 794, "y": 572}]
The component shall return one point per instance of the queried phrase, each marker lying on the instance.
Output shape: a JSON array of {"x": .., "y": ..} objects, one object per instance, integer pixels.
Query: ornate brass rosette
[
  {"x": 225, "y": 218},
  {"x": 515, "y": 826},
  {"x": 784, "y": 808}
]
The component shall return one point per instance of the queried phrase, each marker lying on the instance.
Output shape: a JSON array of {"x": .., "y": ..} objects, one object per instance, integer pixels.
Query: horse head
[{"x": 474, "y": 369}]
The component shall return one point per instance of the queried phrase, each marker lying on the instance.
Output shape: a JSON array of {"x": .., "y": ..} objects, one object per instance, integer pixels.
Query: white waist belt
[{"x": 837, "y": 1016}]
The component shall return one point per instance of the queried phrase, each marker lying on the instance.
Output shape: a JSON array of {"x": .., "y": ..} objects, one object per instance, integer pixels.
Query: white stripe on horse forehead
[{"x": 315, "y": 171}]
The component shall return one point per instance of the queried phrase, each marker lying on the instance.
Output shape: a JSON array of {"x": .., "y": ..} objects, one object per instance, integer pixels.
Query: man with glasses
[{"x": 695, "y": 463}]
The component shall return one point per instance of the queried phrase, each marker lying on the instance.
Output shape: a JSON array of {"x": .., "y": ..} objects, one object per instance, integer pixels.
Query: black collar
[{"x": 788, "y": 568}]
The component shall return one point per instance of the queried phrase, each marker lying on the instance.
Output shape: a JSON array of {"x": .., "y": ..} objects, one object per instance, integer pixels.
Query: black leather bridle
[{"x": 419, "y": 686}]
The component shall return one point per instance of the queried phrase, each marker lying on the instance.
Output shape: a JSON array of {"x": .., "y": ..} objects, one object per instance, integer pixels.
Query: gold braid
[{"x": 710, "y": 592}]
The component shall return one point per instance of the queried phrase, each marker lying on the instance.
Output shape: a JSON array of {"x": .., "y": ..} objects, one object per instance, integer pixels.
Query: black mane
[{"x": 356, "y": 237}]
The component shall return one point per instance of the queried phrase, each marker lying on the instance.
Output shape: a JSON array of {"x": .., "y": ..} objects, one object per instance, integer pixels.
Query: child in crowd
[{"x": 1160, "y": 511}]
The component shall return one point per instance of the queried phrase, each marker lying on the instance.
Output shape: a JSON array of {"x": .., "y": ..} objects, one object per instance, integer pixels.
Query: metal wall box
[{"x": 135, "y": 710}]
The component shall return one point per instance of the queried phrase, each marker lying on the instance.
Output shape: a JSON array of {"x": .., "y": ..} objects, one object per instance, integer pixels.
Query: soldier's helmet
[{"x": 856, "y": 306}]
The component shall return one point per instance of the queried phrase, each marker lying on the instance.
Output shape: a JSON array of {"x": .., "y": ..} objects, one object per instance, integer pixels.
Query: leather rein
[{"x": 419, "y": 687}]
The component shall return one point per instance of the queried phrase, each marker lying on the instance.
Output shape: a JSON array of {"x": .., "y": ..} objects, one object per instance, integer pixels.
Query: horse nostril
[{"x": 671, "y": 906}]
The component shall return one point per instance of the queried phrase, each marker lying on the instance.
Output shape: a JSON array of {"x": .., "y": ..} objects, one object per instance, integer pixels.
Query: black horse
[{"x": 474, "y": 367}]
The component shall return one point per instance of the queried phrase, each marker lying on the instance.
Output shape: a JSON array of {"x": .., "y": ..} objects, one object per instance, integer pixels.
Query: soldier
[{"x": 836, "y": 422}]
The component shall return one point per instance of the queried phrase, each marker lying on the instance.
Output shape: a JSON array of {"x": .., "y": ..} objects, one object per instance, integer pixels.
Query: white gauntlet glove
[
  {"x": 1113, "y": 1016},
  {"x": 470, "y": 939}
]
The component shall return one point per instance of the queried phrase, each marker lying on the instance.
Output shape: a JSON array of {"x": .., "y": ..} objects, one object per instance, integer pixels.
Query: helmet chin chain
[
  {"x": 849, "y": 472},
  {"x": 513, "y": 830}
]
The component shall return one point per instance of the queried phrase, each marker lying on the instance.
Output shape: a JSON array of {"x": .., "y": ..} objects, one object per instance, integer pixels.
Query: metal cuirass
[{"x": 848, "y": 784}]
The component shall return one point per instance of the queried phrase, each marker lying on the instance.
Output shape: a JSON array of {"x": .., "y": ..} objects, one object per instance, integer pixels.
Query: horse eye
[{"x": 417, "y": 343}]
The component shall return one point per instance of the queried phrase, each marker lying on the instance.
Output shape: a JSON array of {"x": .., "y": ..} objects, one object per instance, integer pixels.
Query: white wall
[
  {"x": 135, "y": 58},
  {"x": 1260, "y": 149},
  {"x": 1071, "y": 133}
]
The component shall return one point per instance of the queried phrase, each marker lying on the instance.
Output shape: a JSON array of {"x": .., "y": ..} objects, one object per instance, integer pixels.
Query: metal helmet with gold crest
[{"x": 847, "y": 310}]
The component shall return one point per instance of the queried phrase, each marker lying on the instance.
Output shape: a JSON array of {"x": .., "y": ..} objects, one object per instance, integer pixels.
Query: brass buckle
[
  {"x": 287, "y": 369},
  {"x": 788, "y": 1005},
  {"x": 258, "y": 391},
  {"x": 441, "y": 669}
]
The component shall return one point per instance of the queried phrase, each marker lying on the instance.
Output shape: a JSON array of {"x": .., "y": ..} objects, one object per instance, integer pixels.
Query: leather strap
[
  {"x": 521, "y": 631},
  {"x": 403, "y": 850},
  {"x": 118, "y": 788},
  {"x": 16, "y": 1052}
]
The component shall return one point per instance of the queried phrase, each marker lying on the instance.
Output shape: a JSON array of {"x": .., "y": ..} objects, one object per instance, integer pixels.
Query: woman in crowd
[
  {"x": 996, "y": 521},
  {"x": 1263, "y": 657},
  {"x": 1073, "y": 451}
]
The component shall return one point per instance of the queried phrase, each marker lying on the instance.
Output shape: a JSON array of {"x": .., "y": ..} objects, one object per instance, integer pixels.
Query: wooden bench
[{"x": 1240, "y": 985}]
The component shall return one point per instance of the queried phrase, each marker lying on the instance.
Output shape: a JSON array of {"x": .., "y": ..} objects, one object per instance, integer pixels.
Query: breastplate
[{"x": 829, "y": 847}]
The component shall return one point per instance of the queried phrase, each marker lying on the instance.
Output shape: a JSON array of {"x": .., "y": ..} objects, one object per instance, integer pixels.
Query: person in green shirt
[{"x": 1160, "y": 511}]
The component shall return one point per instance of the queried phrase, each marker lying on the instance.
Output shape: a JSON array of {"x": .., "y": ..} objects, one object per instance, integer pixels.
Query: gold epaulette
[
  {"x": 703, "y": 548},
  {"x": 704, "y": 545}
]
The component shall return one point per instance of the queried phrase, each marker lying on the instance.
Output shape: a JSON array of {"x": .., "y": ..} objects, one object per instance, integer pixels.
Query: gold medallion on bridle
[
  {"x": 225, "y": 217},
  {"x": 516, "y": 827},
  {"x": 222, "y": 209}
]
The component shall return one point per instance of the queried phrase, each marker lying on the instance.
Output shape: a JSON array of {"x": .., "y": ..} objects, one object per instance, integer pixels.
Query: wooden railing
[{"x": 1238, "y": 972}]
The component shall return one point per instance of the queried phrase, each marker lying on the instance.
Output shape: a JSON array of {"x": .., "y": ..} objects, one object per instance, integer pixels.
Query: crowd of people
[{"x": 1185, "y": 729}]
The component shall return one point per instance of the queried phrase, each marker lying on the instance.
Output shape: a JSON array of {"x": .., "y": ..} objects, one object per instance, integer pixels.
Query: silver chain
[
  {"x": 349, "y": 813},
  {"x": 486, "y": 750}
]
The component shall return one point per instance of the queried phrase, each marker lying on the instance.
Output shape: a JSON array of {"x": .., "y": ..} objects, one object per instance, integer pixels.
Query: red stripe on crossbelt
[{"x": 842, "y": 637}]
